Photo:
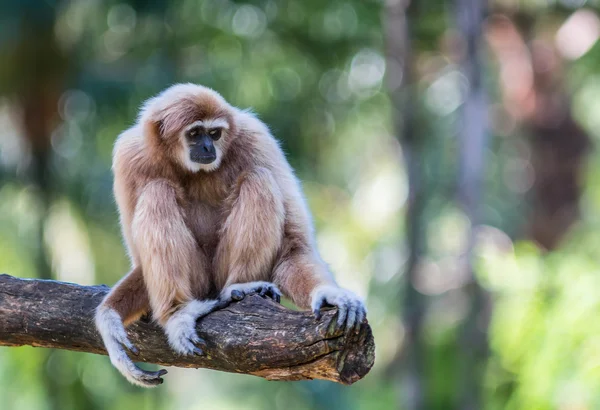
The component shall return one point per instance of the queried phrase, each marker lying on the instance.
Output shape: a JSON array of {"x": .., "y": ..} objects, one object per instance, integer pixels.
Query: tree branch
[{"x": 255, "y": 336}]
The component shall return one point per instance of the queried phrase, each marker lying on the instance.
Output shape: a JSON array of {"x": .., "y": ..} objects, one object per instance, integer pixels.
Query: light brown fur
[{"x": 190, "y": 233}]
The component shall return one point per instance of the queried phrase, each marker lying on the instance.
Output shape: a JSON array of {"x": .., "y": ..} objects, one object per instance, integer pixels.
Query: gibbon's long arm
[{"x": 254, "y": 336}]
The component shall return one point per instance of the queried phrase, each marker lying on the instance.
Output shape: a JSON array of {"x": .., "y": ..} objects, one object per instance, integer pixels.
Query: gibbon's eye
[
  {"x": 192, "y": 133},
  {"x": 215, "y": 133}
]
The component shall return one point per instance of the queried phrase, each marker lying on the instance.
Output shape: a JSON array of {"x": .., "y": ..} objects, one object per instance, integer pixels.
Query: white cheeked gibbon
[{"x": 210, "y": 211}]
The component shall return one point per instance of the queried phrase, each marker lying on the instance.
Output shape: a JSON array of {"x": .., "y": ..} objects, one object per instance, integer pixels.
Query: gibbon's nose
[
  {"x": 203, "y": 151},
  {"x": 207, "y": 147}
]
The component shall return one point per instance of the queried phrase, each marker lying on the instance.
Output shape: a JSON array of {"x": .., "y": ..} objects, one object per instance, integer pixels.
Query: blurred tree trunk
[
  {"x": 473, "y": 138},
  {"x": 411, "y": 355},
  {"x": 37, "y": 70},
  {"x": 535, "y": 98},
  {"x": 40, "y": 68}
]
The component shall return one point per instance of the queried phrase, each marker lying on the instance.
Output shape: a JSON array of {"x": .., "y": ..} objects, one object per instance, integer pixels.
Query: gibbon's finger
[
  {"x": 221, "y": 304},
  {"x": 317, "y": 309},
  {"x": 198, "y": 341},
  {"x": 272, "y": 292},
  {"x": 275, "y": 294},
  {"x": 360, "y": 317},
  {"x": 351, "y": 319},
  {"x": 342, "y": 313},
  {"x": 134, "y": 350},
  {"x": 197, "y": 351}
]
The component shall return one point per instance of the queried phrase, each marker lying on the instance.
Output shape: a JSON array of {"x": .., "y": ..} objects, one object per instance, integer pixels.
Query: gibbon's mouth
[{"x": 203, "y": 159}]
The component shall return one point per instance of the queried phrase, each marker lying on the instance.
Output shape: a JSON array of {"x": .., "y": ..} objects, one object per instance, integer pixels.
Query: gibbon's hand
[
  {"x": 351, "y": 309},
  {"x": 238, "y": 291}
]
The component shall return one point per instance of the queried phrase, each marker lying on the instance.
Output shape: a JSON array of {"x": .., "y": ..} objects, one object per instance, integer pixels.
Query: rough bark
[{"x": 254, "y": 336}]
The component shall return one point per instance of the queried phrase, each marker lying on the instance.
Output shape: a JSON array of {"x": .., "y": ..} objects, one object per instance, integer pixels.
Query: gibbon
[{"x": 210, "y": 211}]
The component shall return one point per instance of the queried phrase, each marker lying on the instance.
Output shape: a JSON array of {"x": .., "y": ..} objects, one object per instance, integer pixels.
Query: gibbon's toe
[
  {"x": 152, "y": 378},
  {"x": 188, "y": 345},
  {"x": 199, "y": 345},
  {"x": 237, "y": 295},
  {"x": 239, "y": 291},
  {"x": 199, "y": 342},
  {"x": 271, "y": 291}
]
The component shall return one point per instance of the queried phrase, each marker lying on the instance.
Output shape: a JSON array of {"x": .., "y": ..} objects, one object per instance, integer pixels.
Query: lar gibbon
[{"x": 210, "y": 211}]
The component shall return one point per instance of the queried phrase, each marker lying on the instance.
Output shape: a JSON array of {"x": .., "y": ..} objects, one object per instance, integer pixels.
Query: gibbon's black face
[{"x": 201, "y": 144}]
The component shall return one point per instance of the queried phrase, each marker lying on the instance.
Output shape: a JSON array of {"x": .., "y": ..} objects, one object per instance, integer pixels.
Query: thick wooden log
[{"x": 254, "y": 336}]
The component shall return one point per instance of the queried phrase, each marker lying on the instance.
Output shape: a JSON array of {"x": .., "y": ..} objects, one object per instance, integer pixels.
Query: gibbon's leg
[
  {"x": 250, "y": 237},
  {"x": 172, "y": 264},
  {"x": 305, "y": 279},
  {"x": 124, "y": 304}
]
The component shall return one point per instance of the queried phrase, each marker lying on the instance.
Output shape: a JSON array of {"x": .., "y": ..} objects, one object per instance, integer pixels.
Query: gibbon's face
[
  {"x": 203, "y": 145},
  {"x": 194, "y": 124}
]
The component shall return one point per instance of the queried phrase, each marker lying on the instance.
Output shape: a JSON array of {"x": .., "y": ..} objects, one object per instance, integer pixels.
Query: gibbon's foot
[
  {"x": 115, "y": 338},
  {"x": 238, "y": 291},
  {"x": 181, "y": 327},
  {"x": 149, "y": 379},
  {"x": 351, "y": 309}
]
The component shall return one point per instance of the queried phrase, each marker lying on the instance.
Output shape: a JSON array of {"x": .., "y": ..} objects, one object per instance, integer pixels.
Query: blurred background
[{"x": 446, "y": 149}]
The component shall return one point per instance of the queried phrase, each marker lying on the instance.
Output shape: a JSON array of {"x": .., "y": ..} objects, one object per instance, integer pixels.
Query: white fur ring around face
[{"x": 351, "y": 308}]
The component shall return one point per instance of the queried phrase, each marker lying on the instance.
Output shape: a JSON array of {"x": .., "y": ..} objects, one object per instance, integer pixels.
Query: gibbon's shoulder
[
  {"x": 130, "y": 154},
  {"x": 257, "y": 136}
]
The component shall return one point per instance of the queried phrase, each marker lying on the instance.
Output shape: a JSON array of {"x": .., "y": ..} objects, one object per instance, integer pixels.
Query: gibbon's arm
[
  {"x": 172, "y": 265},
  {"x": 166, "y": 247},
  {"x": 300, "y": 272},
  {"x": 252, "y": 233}
]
